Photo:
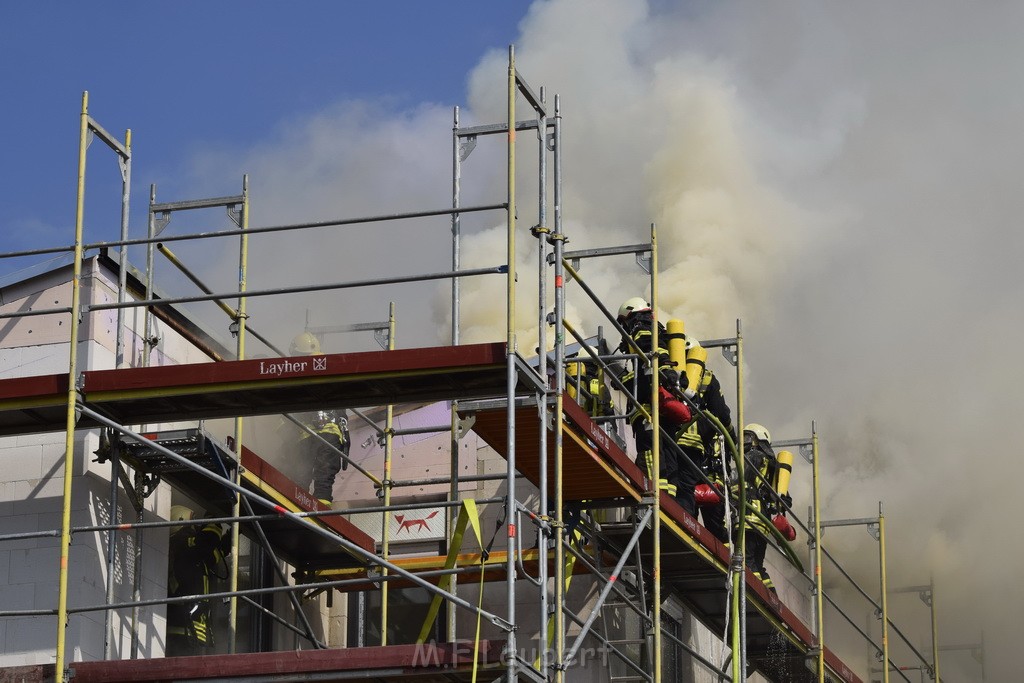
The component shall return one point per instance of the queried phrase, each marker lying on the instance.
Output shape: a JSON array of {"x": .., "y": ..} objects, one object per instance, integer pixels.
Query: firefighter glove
[
  {"x": 704, "y": 494},
  {"x": 784, "y": 527}
]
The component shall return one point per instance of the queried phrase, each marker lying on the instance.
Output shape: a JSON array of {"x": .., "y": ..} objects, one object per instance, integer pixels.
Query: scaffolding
[{"x": 608, "y": 522}]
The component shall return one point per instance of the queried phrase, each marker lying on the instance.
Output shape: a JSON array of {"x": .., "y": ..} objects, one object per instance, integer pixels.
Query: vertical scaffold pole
[
  {"x": 819, "y": 597},
  {"x": 739, "y": 580},
  {"x": 559, "y": 243},
  {"x": 453, "y": 491},
  {"x": 541, "y": 232},
  {"x": 385, "y": 531},
  {"x": 885, "y": 601},
  {"x": 69, "y": 440},
  {"x": 510, "y": 500},
  {"x": 243, "y": 265},
  {"x": 119, "y": 362},
  {"x": 656, "y": 455},
  {"x": 935, "y": 631},
  {"x": 122, "y": 278},
  {"x": 456, "y": 223},
  {"x": 147, "y": 316}
]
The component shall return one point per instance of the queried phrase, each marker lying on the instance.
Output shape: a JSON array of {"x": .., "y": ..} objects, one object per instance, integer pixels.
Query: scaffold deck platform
[
  {"x": 440, "y": 663},
  {"x": 173, "y": 393}
]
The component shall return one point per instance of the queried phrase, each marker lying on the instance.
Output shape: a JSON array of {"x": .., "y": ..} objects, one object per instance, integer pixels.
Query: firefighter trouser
[
  {"x": 188, "y": 624},
  {"x": 757, "y": 546},
  {"x": 712, "y": 516},
  {"x": 677, "y": 478},
  {"x": 324, "y": 464}
]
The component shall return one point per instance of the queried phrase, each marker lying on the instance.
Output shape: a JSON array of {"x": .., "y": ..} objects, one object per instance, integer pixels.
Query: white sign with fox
[{"x": 424, "y": 524}]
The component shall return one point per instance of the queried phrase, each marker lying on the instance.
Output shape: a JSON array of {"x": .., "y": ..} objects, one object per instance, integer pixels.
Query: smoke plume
[{"x": 840, "y": 177}]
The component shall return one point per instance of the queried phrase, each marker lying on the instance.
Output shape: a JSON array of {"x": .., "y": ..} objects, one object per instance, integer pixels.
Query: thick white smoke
[{"x": 841, "y": 177}]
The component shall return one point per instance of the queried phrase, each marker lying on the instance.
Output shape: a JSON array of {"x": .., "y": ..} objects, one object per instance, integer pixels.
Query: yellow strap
[
  {"x": 479, "y": 610},
  {"x": 468, "y": 514}
]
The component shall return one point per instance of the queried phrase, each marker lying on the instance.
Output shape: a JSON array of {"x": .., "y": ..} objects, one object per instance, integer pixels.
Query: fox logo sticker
[{"x": 410, "y": 524}]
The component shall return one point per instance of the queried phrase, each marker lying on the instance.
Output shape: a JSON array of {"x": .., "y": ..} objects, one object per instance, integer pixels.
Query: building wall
[{"x": 32, "y": 483}]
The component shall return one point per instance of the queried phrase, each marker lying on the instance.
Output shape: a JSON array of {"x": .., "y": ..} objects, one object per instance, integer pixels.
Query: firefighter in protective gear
[
  {"x": 760, "y": 473},
  {"x": 585, "y": 383},
  {"x": 637, "y": 321},
  {"x": 698, "y": 442},
  {"x": 319, "y": 462},
  {"x": 197, "y": 555},
  {"x": 325, "y": 461},
  {"x": 304, "y": 344}
]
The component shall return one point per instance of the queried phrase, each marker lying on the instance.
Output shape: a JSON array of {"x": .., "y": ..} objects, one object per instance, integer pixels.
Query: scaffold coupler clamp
[
  {"x": 236, "y": 324},
  {"x": 539, "y": 230},
  {"x": 556, "y": 237},
  {"x": 736, "y": 563},
  {"x": 383, "y": 436},
  {"x": 503, "y": 625}
]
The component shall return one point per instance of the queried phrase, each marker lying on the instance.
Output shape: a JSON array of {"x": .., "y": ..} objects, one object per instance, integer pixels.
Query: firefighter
[
  {"x": 760, "y": 472},
  {"x": 585, "y": 382},
  {"x": 636, "y": 318},
  {"x": 319, "y": 462},
  {"x": 197, "y": 558},
  {"x": 698, "y": 440}
]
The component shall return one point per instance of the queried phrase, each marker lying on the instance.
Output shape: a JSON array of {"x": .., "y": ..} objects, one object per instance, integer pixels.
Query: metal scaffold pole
[
  {"x": 558, "y": 243},
  {"x": 456, "y": 222},
  {"x": 818, "y": 587},
  {"x": 935, "y": 630},
  {"x": 122, "y": 277},
  {"x": 119, "y": 362},
  {"x": 884, "y": 599},
  {"x": 386, "y": 483},
  {"x": 656, "y": 458},
  {"x": 739, "y": 563},
  {"x": 540, "y": 231},
  {"x": 243, "y": 264},
  {"x": 69, "y": 441},
  {"x": 510, "y": 493}
]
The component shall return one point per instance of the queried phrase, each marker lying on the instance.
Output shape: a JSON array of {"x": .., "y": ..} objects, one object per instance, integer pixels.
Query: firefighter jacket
[
  {"x": 639, "y": 327},
  {"x": 699, "y": 436},
  {"x": 328, "y": 424},
  {"x": 590, "y": 390},
  {"x": 758, "y": 474}
]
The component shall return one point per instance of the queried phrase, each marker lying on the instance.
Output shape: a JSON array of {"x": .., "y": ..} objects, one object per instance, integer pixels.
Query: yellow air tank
[
  {"x": 573, "y": 374},
  {"x": 784, "y": 472},
  {"x": 676, "y": 339},
  {"x": 696, "y": 360}
]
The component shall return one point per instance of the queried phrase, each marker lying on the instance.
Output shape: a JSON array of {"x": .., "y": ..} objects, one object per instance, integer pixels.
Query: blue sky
[{"x": 187, "y": 76}]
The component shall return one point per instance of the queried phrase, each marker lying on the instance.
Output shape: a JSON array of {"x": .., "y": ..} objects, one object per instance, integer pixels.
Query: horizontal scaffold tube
[
  {"x": 319, "y": 585},
  {"x": 253, "y": 293},
  {"x": 294, "y": 226}
]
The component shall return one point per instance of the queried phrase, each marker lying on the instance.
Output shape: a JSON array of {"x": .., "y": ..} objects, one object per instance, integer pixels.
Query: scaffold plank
[
  {"x": 428, "y": 663},
  {"x": 175, "y": 393}
]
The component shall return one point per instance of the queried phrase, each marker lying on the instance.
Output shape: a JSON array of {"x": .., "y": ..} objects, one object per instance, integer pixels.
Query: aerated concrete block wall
[{"x": 32, "y": 485}]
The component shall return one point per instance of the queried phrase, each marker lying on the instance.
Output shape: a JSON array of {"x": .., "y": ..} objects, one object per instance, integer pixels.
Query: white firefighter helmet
[
  {"x": 180, "y": 513},
  {"x": 759, "y": 432},
  {"x": 305, "y": 344},
  {"x": 630, "y": 306},
  {"x": 692, "y": 343}
]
